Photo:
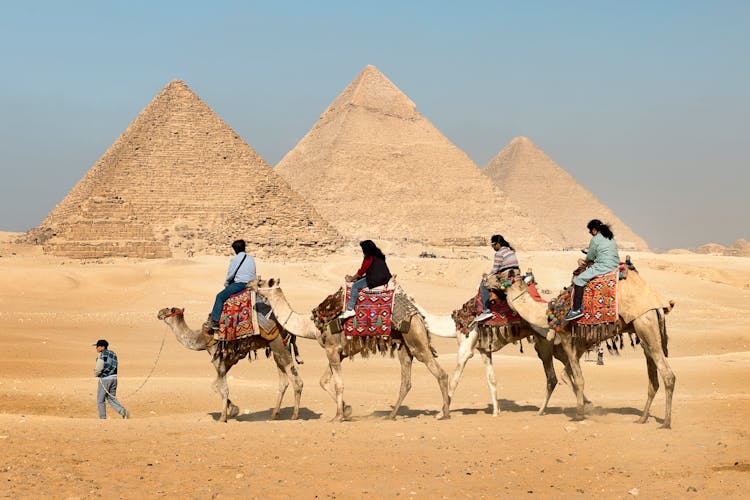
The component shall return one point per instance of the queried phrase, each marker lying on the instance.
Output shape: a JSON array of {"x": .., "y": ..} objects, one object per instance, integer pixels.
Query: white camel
[{"x": 444, "y": 326}]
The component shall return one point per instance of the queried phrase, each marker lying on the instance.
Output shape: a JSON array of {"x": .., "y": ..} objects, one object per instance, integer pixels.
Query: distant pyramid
[
  {"x": 181, "y": 180},
  {"x": 375, "y": 168},
  {"x": 560, "y": 205}
]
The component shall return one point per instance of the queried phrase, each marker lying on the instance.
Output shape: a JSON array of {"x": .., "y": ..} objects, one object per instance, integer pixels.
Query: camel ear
[{"x": 181, "y": 310}]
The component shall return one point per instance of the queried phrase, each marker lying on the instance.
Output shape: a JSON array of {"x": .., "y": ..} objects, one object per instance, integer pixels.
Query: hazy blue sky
[{"x": 645, "y": 103}]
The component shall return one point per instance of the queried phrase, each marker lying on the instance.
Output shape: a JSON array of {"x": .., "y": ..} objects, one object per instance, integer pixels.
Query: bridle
[{"x": 174, "y": 313}]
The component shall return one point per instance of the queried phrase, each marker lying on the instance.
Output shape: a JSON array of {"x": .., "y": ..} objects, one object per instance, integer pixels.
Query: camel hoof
[
  {"x": 445, "y": 416},
  {"x": 337, "y": 419},
  {"x": 234, "y": 410},
  {"x": 347, "y": 411},
  {"x": 578, "y": 418},
  {"x": 274, "y": 416},
  {"x": 642, "y": 420},
  {"x": 295, "y": 416},
  {"x": 541, "y": 412},
  {"x": 665, "y": 425}
]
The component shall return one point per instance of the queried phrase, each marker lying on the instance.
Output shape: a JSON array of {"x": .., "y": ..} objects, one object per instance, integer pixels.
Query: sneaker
[
  {"x": 213, "y": 325},
  {"x": 573, "y": 314},
  {"x": 126, "y": 415},
  {"x": 346, "y": 314},
  {"x": 483, "y": 317}
]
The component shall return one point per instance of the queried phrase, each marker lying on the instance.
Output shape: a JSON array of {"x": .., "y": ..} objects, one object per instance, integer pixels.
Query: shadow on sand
[{"x": 264, "y": 415}]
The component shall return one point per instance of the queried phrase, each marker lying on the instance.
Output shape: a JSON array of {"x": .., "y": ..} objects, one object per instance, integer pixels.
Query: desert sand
[{"x": 52, "y": 443}]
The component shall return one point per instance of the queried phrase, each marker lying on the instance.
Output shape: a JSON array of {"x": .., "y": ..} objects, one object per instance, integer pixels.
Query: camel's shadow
[
  {"x": 405, "y": 411},
  {"x": 570, "y": 412},
  {"x": 265, "y": 415},
  {"x": 505, "y": 405}
]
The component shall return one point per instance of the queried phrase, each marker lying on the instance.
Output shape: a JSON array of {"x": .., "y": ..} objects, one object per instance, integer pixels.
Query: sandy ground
[{"x": 53, "y": 445}]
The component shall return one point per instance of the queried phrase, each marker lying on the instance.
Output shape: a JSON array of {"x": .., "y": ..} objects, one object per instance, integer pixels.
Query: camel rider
[
  {"x": 241, "y": 271},
  {"x": 505, "y": 260},
  {"x": 372, "y": 273},
  {"x": 602, "y": 253}
]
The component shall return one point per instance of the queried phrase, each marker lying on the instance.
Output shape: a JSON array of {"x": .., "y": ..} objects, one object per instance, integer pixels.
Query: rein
[{"x": 174, "y": 313}]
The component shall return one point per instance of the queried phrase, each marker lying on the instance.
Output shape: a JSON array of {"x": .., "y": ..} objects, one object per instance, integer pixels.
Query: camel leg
[
  {"x": 544, "y": 352},
  {"x": 567, "y": 374},
  {"x": 653, "y": 386},
  {"x": 405, "y": 358},
  {"x": 287, "y": 371},
  {"x": 577, "y": 374},
  {"x": 418, "y": 342},
  {"x": 647, "y": 329},
  {"x": 491, "y": 380},
  {"x": 465, "y": 352},
  {"x": 220, "y": 385},
  {"x": 334, "y": 362}
]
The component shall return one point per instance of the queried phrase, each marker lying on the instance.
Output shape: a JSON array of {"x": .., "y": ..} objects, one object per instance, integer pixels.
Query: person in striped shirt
[{"x": 505, "y": 260}]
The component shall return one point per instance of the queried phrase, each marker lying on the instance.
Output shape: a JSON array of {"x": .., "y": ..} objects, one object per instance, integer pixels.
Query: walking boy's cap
[{"x": 101, "y": 343}]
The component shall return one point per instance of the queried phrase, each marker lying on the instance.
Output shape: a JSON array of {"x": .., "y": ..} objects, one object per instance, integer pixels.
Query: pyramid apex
[
  {"x": 373, "y": 91},
  {"x": 521, "y": 140}
]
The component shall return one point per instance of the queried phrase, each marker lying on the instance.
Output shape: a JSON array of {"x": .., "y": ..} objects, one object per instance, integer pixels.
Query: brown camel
[
  {"x": 410, "y": 344},
  {"x": 225, "y": 359},
  {"x": 641, "y": 311}
]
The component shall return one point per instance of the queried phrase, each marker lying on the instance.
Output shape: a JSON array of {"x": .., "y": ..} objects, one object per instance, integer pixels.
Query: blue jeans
[
  {"x": 222, "y": 297},
  {"x": 356, "y": 287},
  {"x": 485, "y": 294},
  {"x": 106, "y": 392}
]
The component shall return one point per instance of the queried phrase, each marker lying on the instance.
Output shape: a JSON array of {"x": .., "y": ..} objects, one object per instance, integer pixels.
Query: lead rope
[{"x": 156, "y": 361}]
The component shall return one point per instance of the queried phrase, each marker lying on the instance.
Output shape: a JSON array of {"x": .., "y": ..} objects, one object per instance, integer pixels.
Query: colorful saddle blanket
[
  {"x": 373, "y": 313},
  {"x": 239, "y": 318},
  {"x": 599, "y": 303},
  {"x": 503, "y": 315}
]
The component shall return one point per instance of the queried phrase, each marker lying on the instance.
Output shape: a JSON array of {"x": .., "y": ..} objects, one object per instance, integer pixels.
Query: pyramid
[
  {"x": 552, "y": 197},
  {"x": 181, "y": 181},
  {"x": 375, "y": 168}
]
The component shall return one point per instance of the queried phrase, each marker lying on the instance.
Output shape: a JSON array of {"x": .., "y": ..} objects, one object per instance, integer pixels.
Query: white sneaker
[
  {"x": 346, "y": 314},
  {"x": 483, "y": 317}
]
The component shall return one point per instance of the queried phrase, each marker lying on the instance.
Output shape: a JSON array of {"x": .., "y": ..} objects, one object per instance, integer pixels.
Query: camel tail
[{"x": 663, "y": 332}]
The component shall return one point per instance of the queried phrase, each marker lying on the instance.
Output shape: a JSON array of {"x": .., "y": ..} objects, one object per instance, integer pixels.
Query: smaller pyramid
[
  {"x": 375, "y": 168},
  {"x": 180, "y": 181},
  {"x": 561, "y": 206}
]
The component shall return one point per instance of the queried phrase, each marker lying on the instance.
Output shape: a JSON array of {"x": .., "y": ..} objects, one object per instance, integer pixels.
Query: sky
[{"x": 645, "y": 103}]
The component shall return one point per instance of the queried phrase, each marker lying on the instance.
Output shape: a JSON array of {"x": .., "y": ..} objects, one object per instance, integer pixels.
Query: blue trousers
[
  {"x": 485, "y": 295},
  {"x": 106, "y": 392},
  {"x": 222, "y": 297},
  {"x": 356, "y": 287}
]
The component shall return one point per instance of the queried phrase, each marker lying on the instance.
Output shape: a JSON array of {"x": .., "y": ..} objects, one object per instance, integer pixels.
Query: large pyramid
[
  {"x": 180, "y": 181},
  {"x": 375, "y": 168},
  {"x": 552, "y": 196}
]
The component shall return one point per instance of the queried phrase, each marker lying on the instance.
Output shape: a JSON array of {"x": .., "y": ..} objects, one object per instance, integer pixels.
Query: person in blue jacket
[{"x": 602, "y": 252}]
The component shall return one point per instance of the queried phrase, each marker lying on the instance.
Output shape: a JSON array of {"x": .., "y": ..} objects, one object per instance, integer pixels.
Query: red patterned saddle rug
[
  {"x": 503, "y": 315},
  {"x": 238, "y": 317},
  {"x": 373, "y": 313},
  {"x": 600, "y": 300},
  {"x": 600, "y": 312}
]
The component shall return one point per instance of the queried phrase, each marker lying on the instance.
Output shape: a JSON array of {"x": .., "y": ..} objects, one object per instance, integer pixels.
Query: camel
[
  {"x": 545, "y": 350},
  {"x": 641, "y": 311},
  {"x": 415, "y": 343},
  {"x": 223, "y": 360}
]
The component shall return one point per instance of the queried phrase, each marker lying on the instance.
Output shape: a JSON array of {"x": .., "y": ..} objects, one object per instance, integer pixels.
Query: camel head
[{"x": 168, "y": 312}]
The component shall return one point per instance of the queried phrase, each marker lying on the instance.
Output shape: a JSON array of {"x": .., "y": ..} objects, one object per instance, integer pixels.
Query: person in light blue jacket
[
  {"x": 241, "y": 271},
  {"x": 603, "y": 253}
]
